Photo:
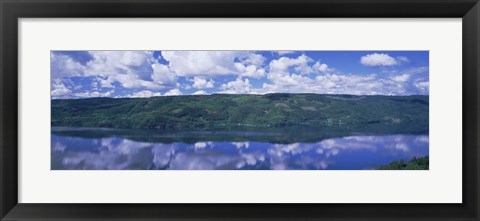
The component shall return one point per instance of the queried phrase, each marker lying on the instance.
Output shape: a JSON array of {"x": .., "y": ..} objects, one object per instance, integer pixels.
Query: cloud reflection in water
[{"x": 351, "y": 152}]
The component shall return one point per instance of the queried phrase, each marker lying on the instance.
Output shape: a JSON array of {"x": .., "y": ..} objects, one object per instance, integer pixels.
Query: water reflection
[{"x": 120, "y": 153}]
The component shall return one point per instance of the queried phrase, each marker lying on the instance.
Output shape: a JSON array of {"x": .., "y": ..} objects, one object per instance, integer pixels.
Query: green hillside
[
  {"x": 222, "y": 111},
  {"x": 414, "y": 164}
]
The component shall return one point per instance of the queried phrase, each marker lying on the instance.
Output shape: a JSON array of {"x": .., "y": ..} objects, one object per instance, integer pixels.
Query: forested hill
[{"x": 222, "y": 111}]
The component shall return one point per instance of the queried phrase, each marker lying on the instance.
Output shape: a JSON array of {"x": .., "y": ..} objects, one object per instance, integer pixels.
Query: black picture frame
[{"x": 12, "y": 10}]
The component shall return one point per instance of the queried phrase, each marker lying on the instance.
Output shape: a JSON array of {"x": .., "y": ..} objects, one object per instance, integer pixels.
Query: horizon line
[{"x": 199, "y": 95}]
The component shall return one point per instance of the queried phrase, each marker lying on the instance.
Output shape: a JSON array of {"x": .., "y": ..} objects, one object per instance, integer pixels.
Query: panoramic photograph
[{"x": 239, "y": 110}]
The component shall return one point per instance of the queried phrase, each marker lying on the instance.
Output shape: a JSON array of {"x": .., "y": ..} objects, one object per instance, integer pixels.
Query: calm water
[{"x": 103, "y": 149}]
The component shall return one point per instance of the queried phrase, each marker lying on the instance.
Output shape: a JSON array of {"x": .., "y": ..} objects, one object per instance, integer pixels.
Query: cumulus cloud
[
  {"x": 162, "y": 75},
  {"x": 422, "y": 86},
  {"x": 416, "y": 70},
  {"x": 378, "y": 59},
  {"x": 202, "y": 83},
  {"x": 252, "y": 59},
  {"x": 209, "y": 63},
  {"x": 200, "y": 92},
  {"x": 238, "y": 86},
  {"x": 300, "y": 64},
  {"x": 87, "y": 94},
  {"x": 249, "y": 71},
  {"x": 287, "y": 72},
  {"x": 173, "y": 92},
  {"x": 287, "y": 75},
  {"x": 322, "y": 68},
  {"x": 63, "y": 65},
  {"x": 286, "y": 80},
  {"x": 141, "y": 74},
  {"x": 145, "y": 93},
  {"x": 59, "y": 90},
  {"x": 132, "y": 69},
  {"x": 325, "y": 84},
  {"x": 200, "y": 63},
  {"x": 401, "y": 78}
]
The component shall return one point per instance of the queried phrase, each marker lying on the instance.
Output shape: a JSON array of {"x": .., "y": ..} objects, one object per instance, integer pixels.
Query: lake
[{"x": 296, "y": 149}]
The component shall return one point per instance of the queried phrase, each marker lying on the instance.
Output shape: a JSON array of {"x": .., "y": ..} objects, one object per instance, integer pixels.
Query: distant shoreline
[
  {"x": 216, "y": 94},
  {"x": 223, "y": 111}
]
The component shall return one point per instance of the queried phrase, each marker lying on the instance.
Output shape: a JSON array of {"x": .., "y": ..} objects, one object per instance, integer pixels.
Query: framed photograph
[{"x": 232, "y": 110}]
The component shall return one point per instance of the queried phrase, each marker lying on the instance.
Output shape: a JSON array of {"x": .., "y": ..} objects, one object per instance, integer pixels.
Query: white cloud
[
  {"x": 209, "y": 63},
  {"x": 253, "y": 59},
  {"x": 87, "y": 94},
  {"x": 63, "y": 65},
  {"x": 145, "y": 93},
  {"x": 287, "y": 75},
  {"x": 140, "y": 71},
  {"x": 59, "y": 90},
  {"x": 132, "y": 69},
  {"x": 173, "y": 92},
  {"x": 300, "y": 64},
  {"x": 200, "y": 63},
  {"x": 249, "y": 71},
  {"x": 237, "y": 87},
  {"x": 119, "y": 62},
  {"x": 202, "y": 83},
  {"x": 283, "y": 80},
  {"x": 334, "y": 84},
  {"x": 322, "y": 68},
  {"x": 131, "y": 81},
  {"x": 376, "y": 59},
  {"x": 200, "y": 92},
  {"x": 162, "y": 75},
  {"x": 416, "y": 70},
  {"x": 422, "y": 86},
  {"x": 401, "y": 78}
]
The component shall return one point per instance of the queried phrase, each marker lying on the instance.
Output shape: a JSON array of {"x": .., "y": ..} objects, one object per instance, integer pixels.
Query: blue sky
[{"x": 83, "y": 74}]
